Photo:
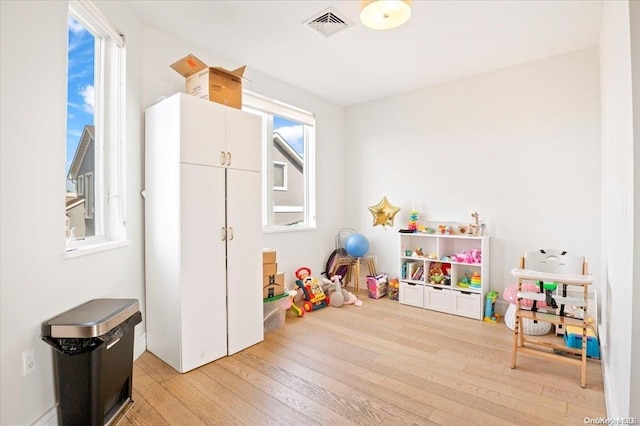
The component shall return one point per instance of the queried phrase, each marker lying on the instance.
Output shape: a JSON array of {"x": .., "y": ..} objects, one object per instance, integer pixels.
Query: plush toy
[
  {"x": 435, "y": 274},
  {"x": 476, "y": 255},
  {"x": 471, "y": 256}
]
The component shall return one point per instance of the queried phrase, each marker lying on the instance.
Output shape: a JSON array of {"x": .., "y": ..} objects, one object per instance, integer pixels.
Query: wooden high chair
[{"x": 565, "y": 269}]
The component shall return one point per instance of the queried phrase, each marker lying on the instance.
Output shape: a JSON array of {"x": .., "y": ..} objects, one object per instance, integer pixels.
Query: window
[
  {"x": 89, "y": 201},
  {"x": 80, "y": 186},
  {"x": 279, "y": 176},
  {"x": 95, "y": 162},
  {"x": 288, "y": 142}
]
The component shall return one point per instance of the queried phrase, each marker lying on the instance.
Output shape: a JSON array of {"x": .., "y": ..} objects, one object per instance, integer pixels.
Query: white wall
[
  {"x": 519, "y": 145},
  {"x": 36, "y": 282},
  {"x": 620, "y": 324},
  {"x": 294, "y": 249}
]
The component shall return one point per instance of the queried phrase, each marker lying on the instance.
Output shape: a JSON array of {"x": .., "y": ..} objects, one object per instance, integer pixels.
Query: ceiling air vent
[{"x": 327, "y": 22}]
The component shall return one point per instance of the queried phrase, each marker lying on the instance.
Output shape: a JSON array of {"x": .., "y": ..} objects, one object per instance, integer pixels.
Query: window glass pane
[
  {"x": 80, "y": 161},
  {"x": 279, "y": 176},
  {"x": 288, "y": 149}
]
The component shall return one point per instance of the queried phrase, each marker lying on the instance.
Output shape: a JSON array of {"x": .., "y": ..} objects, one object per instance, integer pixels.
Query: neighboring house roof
[
  {"x": 74, "y": 203},
  {"x": 88, "y": 135},
  {"x": 288, "y": 151}
]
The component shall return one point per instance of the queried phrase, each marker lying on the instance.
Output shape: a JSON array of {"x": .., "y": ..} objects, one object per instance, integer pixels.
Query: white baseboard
[{"x": 139, "y": 346}]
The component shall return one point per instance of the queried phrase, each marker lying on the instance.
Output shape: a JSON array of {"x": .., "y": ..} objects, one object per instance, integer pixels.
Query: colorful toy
[
  {"x": 435, "y": 274},
  {"x": 295, "y": 309},
  {"x": 490, "y": 314},
  {"x": 394, "y": 289},
  {"x": 475, "y": 281},
  {"x": 471, "y": 256},
  {"x": 465, "y": 281},
  {"x": 413, "y": 221},
  {"x": 314, "y": 296},
  {"x": 377, "y": 285}
]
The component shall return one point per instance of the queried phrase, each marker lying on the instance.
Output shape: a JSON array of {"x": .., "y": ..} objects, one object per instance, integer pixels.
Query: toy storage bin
[
  {"x": 573, "y": 339},
  {"x": 274, "y": 310},
  {"x": 377, "y": 285}
]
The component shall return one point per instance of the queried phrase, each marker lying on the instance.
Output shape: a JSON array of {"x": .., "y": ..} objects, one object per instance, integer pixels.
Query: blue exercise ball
[{"x": 356, "y": 245}]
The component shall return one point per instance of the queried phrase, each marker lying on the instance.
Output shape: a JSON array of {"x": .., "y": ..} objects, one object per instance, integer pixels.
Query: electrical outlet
[
  {"x": 285, "y": 267},
  {"x": 28, "y": 361}
]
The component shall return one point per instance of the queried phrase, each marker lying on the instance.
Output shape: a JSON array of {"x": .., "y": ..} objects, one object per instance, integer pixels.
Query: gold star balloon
[{"x": 383, "y": 213}]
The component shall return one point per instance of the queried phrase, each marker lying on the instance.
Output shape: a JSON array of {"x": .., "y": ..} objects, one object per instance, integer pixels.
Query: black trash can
[{"x": 93, "y": 359}]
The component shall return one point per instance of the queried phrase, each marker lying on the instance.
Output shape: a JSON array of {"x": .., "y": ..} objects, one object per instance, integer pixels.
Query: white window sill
[
  {"x": 94, "y": 248},
  {"x": 292, "y": 229}
]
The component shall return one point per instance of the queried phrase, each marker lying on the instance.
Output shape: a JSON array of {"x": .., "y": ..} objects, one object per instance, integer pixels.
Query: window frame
[
  {"x": 80, "y": 185},
  {"x": 267, "y": 109},
  {"x": 109, "y": 120},
  {"x": 89, "y": 199}
]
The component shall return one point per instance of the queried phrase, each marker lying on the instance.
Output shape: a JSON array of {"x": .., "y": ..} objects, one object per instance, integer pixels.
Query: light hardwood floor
[{"x": 379, "y": 364}]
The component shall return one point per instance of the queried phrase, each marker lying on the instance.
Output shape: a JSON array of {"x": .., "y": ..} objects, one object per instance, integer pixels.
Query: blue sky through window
[
  {"x": 80, "y": 85},
  {"x": 291, "y": 131}
]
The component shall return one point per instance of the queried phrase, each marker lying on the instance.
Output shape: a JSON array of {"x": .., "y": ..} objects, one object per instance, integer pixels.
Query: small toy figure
[{"x": 474, "y": 228}]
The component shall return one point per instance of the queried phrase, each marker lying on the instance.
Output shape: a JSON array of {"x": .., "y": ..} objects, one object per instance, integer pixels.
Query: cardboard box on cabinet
[{"x": 215, "y": 84}]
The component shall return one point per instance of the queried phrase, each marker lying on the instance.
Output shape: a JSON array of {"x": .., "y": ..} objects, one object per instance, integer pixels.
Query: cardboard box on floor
[{"x": 211, "y": 83}]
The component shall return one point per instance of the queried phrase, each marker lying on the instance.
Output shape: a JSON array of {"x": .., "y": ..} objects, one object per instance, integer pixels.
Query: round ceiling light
[{"x": 384, "y": 14}]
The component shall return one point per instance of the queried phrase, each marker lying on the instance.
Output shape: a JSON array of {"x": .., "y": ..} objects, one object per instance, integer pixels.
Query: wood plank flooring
[{"x": 379, "y": 364}]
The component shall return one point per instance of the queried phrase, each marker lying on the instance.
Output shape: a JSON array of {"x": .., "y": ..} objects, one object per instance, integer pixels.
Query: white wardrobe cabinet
[{"x": 203, "y": 232}]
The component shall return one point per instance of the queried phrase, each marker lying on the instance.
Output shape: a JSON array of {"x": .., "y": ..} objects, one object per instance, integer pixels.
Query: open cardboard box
[{"x": 211, "y": 83}]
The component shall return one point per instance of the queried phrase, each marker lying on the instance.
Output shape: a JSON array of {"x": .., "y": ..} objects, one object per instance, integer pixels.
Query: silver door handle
[
  {"x": 222, "y": 158},
  {"x": 223, "y": 234},
  {"x": 230, "y": 233},
  {"x": 228, "y": 158}
]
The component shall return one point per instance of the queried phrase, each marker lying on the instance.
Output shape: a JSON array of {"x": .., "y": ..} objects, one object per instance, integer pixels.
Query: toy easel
[{"x": 353, "y": 268}]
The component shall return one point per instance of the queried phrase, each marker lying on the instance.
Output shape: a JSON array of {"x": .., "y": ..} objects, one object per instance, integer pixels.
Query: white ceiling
[{"x": 443, "y": 40}]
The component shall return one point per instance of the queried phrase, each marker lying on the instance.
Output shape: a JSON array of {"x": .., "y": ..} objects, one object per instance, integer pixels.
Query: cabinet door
[
  {"x": 202, "y": 132},
  {"x": 244, "y": 259},
  {"x": 244, "y": 140},
  {"x": 202, "y": 254}
]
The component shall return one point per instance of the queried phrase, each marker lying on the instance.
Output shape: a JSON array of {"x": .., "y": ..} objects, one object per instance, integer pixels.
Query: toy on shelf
[
  {"x": 471, "y": 256},
  {"x": 474, "y": 228},
  {"x": 475, "y": 281},
  {"x": 413, "y": 221},
  {"x": 465, "y": 281},
  {"x": 490, "y": 314},
  {"x": 314, "y": 296},
  {"x": 436, "y": 276}
]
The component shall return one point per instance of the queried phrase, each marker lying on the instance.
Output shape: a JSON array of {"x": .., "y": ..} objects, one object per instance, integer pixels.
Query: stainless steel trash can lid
[{"x": 91, "y": 319}]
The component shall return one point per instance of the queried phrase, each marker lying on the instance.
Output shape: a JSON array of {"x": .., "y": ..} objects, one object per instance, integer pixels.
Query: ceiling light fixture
[{"x": 384, "y": 14}]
